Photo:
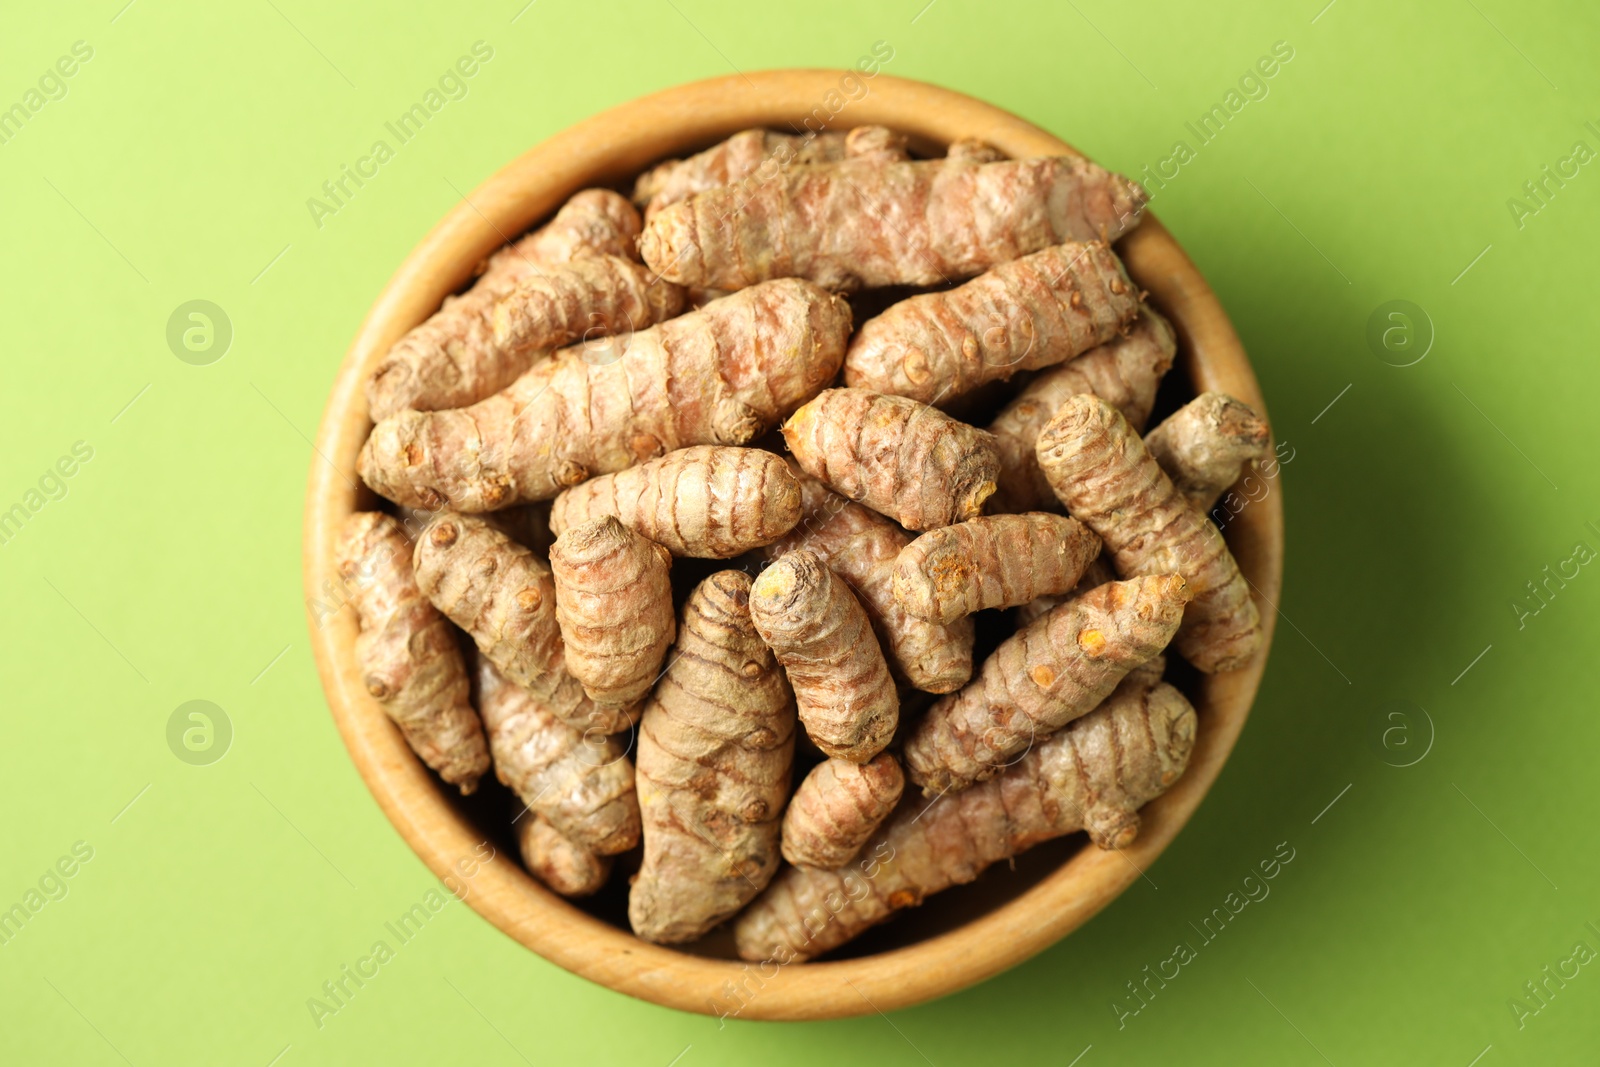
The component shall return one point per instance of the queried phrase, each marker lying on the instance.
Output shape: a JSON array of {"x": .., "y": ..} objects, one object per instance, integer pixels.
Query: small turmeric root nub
[
  {"x": 582, "y": 783},
  {"x": 710, "y": 501},
  {"x": 614, "y": 606},
  {"x": 1203, "y": 444},
  {"x": 994, "y": 561},
  {"x": 407, "y": 653},
  {"x": 900, "y": 458},
  {"x": 558, "y": 861},
  {"x": 837, "y": 807},
  {"x": 820, "y": 633}
]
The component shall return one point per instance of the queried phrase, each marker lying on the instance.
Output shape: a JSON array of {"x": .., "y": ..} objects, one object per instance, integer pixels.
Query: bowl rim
[{"x": 603, "y": 150}]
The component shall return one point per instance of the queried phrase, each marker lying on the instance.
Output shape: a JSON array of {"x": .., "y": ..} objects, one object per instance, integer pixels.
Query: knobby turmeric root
[
  {"x": 593, "y": 222},
  {"x": 820, "y": 633},
  {"x": 528, "y": 525},
  {"x": 994, "y": 561},
  {"x": 407, "y": 653},
  {"x": 505, "y": 599},
  {"x": 861, "y": 546},
  {"x": 900, "y": 458},
  {"x": 1095, "y": 774},
  {"x": 1097, "y": 573},
  {"x": 496, "y": 590},
  {"x": 1041, "y": 678},
  {"x": 837, "y": 807},
  {"x": 759, "y": 154},
  {"x": 715, "y": 746},
  {"x": 452, "y": 359},
  {"x": 740, "y": 156},
  {"x": 558, "y": 861},
  {"x": 972, "y": 150},
  {"x": 614, "y": 606},
  {"x": 582, "y": 783},
  {"x": 878, "y": 144},
  {"x": 1124, "y": 372},
  {"x": 710, "y": 501},
  {"x": 1203, "y": 444},
  {"x": 589, "y": 298},
  {"x": 1032, "y": 312},
  {"x": 1102, "y": 472},
  {"x": 722, "y": 375},
  {"x": 868, "y": 223}
]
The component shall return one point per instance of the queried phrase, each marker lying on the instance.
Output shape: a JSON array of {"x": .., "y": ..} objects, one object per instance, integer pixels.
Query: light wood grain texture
[{"x": 605, "y": 149}]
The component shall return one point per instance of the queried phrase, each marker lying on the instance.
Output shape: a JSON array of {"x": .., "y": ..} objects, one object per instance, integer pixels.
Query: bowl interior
[{"x": 958, "y": 937}]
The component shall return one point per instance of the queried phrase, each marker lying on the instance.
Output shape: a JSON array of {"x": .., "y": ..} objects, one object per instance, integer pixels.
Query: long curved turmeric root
[
  {"x": 868, "y": 223},
  {"x": 582, "y": 783},
  {"x": 837, "y": 808},
  {"x": 710, "y": 501},
  {"x": 1102, "y": 472},
  {"x": 758, "y": 154},
  {"x": 900, "y": 458},
  {"x": 1124, "y": 372},
  {"x": 409, "y": 659},
  {"x": 452, "y": 359},
  {"x": 722, "y": 375},
  {"x": 1096, "y": 774},
  {"x": 1203, "y": 444},
  {"x": 861, "y": 546},
  {"x": 1032, "y": 312},
  {"x": 820, "y": 633},
  {"x": 715, "y": 746},
  {"x": 499, "y": 592},
  {"x": 558, "y": 861},
  {"x": 614, "y": 605},
  {"x": 993, "y": 561},
  {"x": 1041, "y": 678}
]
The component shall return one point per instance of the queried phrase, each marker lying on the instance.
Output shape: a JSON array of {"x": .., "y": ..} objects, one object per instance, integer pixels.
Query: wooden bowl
[{"x": 959, "y": 937}]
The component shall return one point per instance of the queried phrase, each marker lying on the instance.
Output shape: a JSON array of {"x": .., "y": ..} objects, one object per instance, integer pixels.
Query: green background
[{"x": 1420, "y": 504}]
